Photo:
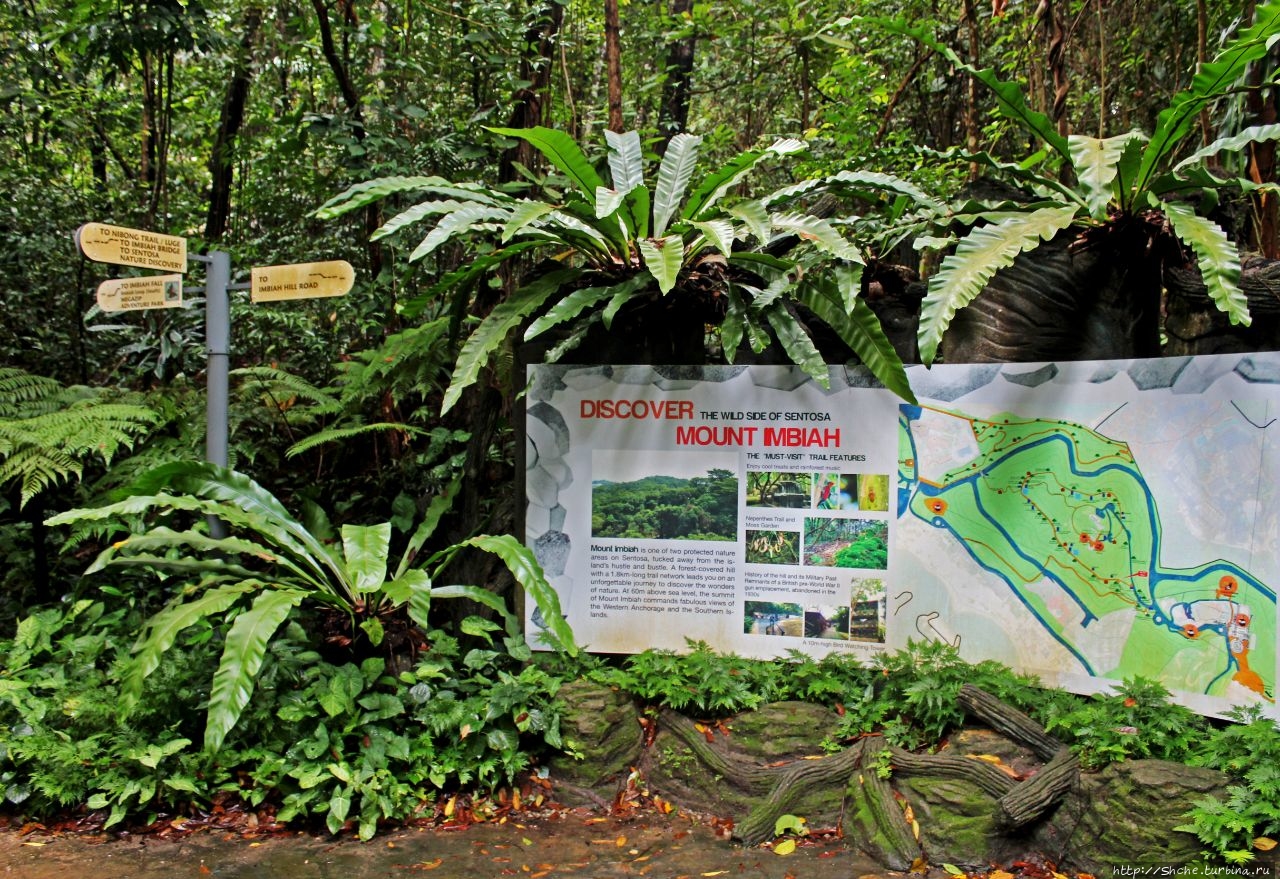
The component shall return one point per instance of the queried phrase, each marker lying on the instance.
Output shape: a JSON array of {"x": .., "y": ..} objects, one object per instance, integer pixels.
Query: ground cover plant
[{"x": 355, "y": 745}]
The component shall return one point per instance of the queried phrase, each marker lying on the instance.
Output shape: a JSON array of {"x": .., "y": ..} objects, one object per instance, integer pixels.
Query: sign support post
[
  {"x": 217, "y": 343},
  {"x": 135, "y": 247}
]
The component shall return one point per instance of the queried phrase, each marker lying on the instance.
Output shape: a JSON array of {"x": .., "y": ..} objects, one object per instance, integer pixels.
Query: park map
[{"x": 1064, "y": 520}]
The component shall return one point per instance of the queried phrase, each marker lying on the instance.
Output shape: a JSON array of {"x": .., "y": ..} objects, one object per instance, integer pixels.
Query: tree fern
[{"x": 48, "y": 432}]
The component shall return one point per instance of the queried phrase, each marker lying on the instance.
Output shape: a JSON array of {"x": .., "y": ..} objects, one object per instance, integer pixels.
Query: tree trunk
[
  {"x": 530, "y": 101},
  {"x": 222, "y": 157},
  {"x": 673, "y": 116},
  {"x": 613, "y": 63},
  {"x": 355, "y": 106}
]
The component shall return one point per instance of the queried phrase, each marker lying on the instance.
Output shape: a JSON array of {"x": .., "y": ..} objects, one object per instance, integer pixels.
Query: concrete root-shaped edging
[
  {"x": 875, "y": 817},
  {"x": 778, "y": 785}
]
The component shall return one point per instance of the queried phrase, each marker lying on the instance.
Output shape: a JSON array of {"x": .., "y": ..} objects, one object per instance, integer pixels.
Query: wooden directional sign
[
  {"x": 132, "y": 247},
  {"x": 311, "y": 280},
  {"x": 131, "y": 294}
]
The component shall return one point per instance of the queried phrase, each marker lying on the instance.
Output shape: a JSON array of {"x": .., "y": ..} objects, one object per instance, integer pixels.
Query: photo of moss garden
[{"x": 264, "y": 578}]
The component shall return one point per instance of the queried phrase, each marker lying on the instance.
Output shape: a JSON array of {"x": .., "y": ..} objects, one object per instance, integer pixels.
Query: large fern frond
[
  {"x": 978, "y": 256},
  {"x": 242, "y": 657},
  {"x": 49, "y": 431},
  {"x": 1216, "y": 256},
  {"x": 495, "y": 329}
]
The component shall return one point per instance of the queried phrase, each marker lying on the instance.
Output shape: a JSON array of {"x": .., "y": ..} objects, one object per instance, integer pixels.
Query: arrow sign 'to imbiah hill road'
[{"x": 311, "y": 280}]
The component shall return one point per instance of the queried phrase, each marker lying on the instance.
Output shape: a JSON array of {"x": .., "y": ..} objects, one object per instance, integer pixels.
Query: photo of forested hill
[{"x": 667, "y": 507}]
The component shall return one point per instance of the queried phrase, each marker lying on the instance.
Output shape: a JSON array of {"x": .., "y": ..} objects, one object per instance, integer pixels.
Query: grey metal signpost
[{"x": 135, "y": 247}]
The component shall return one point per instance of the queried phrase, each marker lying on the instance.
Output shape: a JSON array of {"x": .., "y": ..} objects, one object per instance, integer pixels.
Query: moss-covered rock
[
  {"x": 602, "y": 726},
  {"x": 1125, "y": 815}
]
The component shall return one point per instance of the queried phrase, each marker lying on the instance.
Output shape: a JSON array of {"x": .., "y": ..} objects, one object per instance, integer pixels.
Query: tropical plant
[
  {"x": 1248, "y": 817},
  {"x": 1098, "y": 186},
  {"x": 256, "y": 580},
  {"x": 624, "y": 244},
  {"x": 48, "y": 432}
]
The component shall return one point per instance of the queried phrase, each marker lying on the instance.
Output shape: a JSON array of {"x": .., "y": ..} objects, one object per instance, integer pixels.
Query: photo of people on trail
[
  {"x": 773, "y": 618},
  {"x": 851, "y": 491}
]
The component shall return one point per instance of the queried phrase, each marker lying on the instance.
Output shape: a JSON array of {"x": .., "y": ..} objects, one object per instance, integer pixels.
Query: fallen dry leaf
[
  {"x": 786, "y": 847},
  {"x": 1264, "y": 843},
  {"x": 429, "y": 865}
]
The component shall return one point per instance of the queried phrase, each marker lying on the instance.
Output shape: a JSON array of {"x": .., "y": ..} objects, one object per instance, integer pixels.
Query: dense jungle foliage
[{"x": 372, "y": 443}]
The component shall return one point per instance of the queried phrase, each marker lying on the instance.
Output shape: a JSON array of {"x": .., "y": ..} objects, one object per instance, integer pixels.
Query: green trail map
[{"x": 1043, "y": 540}]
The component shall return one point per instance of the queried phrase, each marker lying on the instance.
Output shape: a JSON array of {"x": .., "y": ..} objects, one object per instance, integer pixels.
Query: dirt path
[{"x": 574, "y": 843}]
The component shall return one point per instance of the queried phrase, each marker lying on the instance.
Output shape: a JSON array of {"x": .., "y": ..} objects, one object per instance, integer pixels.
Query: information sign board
[
  {"x": 132, "y": 247},
  {"x": 312, "y": 280},
  {"x": 132, "y": 294}
]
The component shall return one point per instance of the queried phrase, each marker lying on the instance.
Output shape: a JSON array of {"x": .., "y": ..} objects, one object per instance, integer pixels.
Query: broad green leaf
[
  {"x": 279, "y": 545},
  {"x": 562, "y": 152},
  {"x": 719, "y": 233},
  {"x": 579, "y": 233},
  {"x": 242, "y": 657},
  {"x": 465, "y": 219},
  {"x": 440, "y": 504},
  {"x": 412, "y": 589},
  {"x": 849, "y": 284},
  {"x": 1217, "y": 258},
  {"x": 673, "y": 178},
  {"x": 366, "y": 193},
  {"x": 731, "y": 328},
  {"x": 861, "y": 330},
  {"x": 626, "y": 166},
  {"x": 797, "y": 344},
  {"x": 528, "y": 573},
  {"x": 524, "y": 213},
  {"x": 373, "y": 630},
  {"x": 818, "y": 232},
  {"x": 626, "y": 159},
  {"x": 580, "y": 300},
  {"x": 479, "y": 595},
  {"x": 416, "y": 214},
  {"x": 339, "y": 808},
  {"x": 1213, "y": 80},
  {"x": 608, "y": 200},
  {"x": 717, "y": 184},
  {"x": 979, "y": 255},
  {"x": 494, "y": 330},
  {"x": 164, "y": 627},
  {"x": 479, "y": 627},
  {"x": 366, "y": 548},
  {"x": 266, "y": 515},
  {"x": 1252, "y": 134},
  {"x": 152, "y": 755},
  {"x": 568, "y": 308},
  {"x": 663, "y": 257},
  {"x": 754, "y": 216},
  {"x": 1096, "y": 162}
]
